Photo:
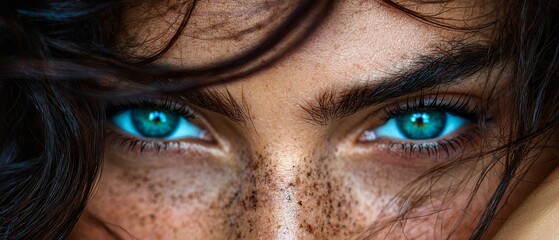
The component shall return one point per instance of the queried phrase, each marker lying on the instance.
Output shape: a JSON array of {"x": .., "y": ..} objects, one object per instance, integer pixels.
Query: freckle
[
  {"x": 298, "y": 180},
  {"x": 253, "y": 200},
  {"x": 309, "y": 229},
  {"x": 255, "y": 165}
]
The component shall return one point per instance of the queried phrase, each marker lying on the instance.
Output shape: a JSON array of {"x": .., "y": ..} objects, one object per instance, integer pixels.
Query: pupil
[
  {"x": 420, "y": 119},
  {"x": 157, "y": 117}
]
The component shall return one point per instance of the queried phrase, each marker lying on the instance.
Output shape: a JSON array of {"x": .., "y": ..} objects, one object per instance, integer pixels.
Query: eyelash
[
  {"x": 462, "y": 106},
  {"x": 163, "y": 104}
]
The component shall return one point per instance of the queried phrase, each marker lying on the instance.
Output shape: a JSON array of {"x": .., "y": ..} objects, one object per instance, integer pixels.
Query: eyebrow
[
  {"x": 221, "y": 102},
  {"x": 441, "y": 67}
]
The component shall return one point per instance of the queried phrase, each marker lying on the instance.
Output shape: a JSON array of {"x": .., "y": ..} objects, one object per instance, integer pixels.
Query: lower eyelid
[
  {"x": 160, "y": 147},
  {"x": 137, "y": 153},
  {"x": 422, "y": 151}
]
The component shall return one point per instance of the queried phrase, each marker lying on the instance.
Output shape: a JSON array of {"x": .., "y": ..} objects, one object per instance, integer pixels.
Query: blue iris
[
  {"x": 421, "y": 125},
  {"x": 155, "y": 123}
]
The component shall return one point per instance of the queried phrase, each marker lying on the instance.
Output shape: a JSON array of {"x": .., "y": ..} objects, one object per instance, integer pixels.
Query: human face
[{"x": 299, "y": 149}]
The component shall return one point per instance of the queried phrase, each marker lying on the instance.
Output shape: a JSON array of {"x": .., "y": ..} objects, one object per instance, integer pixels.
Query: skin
[
  {"x": 277, "y": 175},
  {"x": 536, "y": 218}
]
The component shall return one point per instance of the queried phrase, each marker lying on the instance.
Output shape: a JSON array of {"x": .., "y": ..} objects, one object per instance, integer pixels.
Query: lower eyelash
[
  {"x": 143, "y": 145},
  {"x": 449, "y": 146},
  {"x": 134, "y": 143}
]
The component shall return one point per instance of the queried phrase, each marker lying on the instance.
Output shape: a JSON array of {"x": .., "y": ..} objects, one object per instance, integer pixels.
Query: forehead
[
  {"x": 356, "y": 29},
  {"x": 359, "y": 42}
]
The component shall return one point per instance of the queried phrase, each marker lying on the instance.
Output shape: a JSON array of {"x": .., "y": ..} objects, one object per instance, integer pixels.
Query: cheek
[
  {"x": 263, "y": 197},
  {"x": 211, "y": 201},
  {"x": 164, "y": 203},
  {"x": 400, "y": 205}
]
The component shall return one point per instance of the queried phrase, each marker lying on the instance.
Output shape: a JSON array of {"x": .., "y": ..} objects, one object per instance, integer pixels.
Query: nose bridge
[
  {"x": 269, "y": 202},
  {"x": 291, "y": 193},
  {"x": 288, "y": 189}
]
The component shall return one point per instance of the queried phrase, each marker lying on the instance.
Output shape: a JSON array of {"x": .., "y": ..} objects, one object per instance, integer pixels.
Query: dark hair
[{"x": 53, "y": 53}]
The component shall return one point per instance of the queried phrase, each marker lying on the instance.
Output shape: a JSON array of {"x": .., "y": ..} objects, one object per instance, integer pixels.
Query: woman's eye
[
  {"x": 156, "y": 123},
  {"x": 418, "y": 125}
]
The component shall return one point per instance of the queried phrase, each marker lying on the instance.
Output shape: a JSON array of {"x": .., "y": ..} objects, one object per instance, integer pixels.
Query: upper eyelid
[
  {"x": 145, "y": 102},
  {"x": 465, "y": 105}
]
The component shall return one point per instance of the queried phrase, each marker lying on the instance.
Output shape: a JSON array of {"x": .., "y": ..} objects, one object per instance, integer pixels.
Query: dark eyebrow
[
  {"x": 442, "y": 66},
  {"x": 216, "y": 101}
]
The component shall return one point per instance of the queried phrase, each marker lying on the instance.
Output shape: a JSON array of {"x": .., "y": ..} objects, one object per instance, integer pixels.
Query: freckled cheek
[
  {"x": 437, "y": 205},
  {"x": 438, "y": 218},
  {"x": 164, "y": 203},
  {"x": 375, "y": 181}
]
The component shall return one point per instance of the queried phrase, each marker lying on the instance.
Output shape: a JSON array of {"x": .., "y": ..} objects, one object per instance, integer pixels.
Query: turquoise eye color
[
  {"x": 156, "y": 123},
  {"x": 419, "y": 125}
]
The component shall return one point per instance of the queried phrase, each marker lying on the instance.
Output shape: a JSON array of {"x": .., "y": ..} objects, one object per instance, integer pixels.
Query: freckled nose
[
  {"x": 291, "y": 196},
  {"x": 267, "y": 206}
]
